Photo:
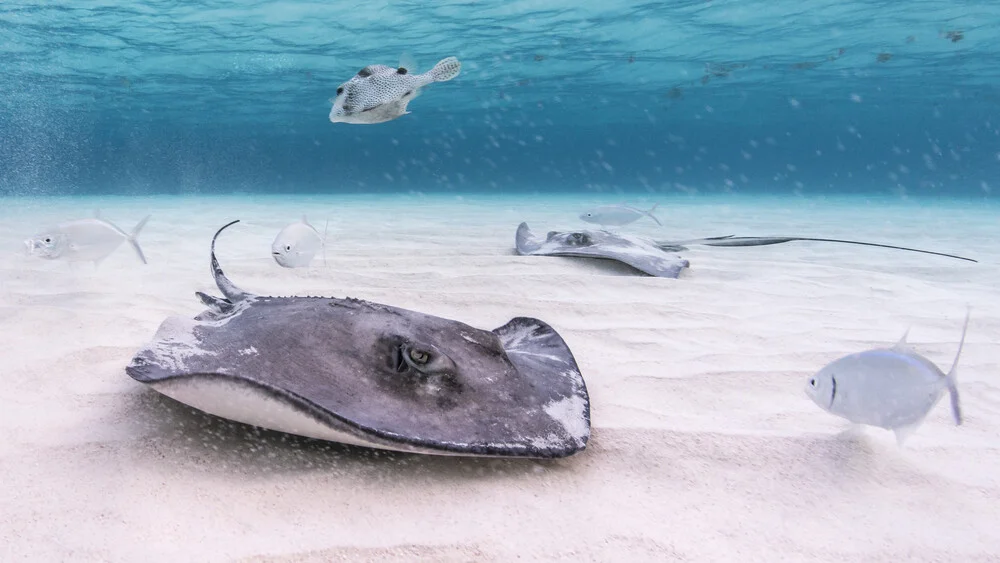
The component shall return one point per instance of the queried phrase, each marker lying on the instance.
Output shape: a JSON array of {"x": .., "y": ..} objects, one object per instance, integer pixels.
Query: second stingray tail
[{"x": 764, "y": 241}]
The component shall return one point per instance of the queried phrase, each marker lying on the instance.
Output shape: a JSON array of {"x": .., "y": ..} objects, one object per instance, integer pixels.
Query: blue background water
[{"x": 777, "y": 96}]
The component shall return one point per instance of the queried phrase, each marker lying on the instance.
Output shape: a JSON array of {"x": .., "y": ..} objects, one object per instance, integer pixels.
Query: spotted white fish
[
  {"x": 380, "y": 93},
  {"x": 296, "y": 244},
  {"x": 84, "y": 240},
  {"x": 617, "y": 215},
  {"x": 892, "y": 388}
]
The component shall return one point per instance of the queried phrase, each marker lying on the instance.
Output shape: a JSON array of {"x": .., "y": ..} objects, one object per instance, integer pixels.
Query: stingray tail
[
  {"x": 651, "y": 216},
  {"x": 445, "y": 70},
  {"x": 951, "y": 380},
  {"x": 765, "y": 241},
  {"x": 228, "y": 288},
  {"x": 133, "y": 238}
]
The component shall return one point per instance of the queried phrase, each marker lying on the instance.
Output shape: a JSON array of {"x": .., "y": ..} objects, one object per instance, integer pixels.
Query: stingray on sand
[
  {"x": 364, "y": 373},
  {"x": 656, "y": 258}
]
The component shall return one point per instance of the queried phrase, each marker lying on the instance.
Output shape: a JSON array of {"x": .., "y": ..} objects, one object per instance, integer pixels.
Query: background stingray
[
  {"x": 640, "y": 253},
  {"x": 363, "y": 373},
  {"x": 652, "y": 257}
]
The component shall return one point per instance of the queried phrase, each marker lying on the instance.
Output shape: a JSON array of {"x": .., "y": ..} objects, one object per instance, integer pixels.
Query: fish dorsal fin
[
  {"x": 406, "y": 63},
  {"x": 903, "y": 345}
]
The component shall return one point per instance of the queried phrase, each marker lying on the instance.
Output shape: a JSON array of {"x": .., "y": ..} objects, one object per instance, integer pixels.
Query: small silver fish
[
  {"x": 892, "y": 388},
  {"x": 617, "y": 215},
  {"x": 84, "y": 240},
  {"x": 380, "y": 93},
  {"x": 297, "y": 243}
]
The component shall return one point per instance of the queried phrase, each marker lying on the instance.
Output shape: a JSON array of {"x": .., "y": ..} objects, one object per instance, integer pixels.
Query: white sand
[{"x": 704, "y": 445}]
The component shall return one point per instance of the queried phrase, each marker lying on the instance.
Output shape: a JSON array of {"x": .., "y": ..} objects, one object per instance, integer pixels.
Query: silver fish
[
  {"x": 380, "y": 93},
  {"x": 296, "y": 244},
  {"x": 84, "y": 240},
  {"x": 617, "y": 215},
  {"x": 892, "y": 388}
]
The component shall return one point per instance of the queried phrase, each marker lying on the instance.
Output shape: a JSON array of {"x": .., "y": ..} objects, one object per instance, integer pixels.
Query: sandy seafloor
[{"x": 704, "y": 445}]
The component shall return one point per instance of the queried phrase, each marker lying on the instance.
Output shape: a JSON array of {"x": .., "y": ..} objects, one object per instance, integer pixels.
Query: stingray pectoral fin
[
  {"x": 540, "y": 353},
  {"x": 525, "y": 241}
]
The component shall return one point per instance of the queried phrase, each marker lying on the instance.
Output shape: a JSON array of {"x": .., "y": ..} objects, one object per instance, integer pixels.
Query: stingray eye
[
  {"x": 405, "y": 357},
  {"x": 340, "y": 90},
  {"x": 419, "y": 356}
]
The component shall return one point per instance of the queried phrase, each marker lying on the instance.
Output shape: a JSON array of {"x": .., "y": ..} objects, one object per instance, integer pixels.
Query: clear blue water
[{"x": 753, "y": 96}]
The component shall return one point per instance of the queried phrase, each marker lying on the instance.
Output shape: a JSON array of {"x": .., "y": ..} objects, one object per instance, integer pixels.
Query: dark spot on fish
[
  {"x": 401, "y": 70},
  {"x": 833, "y": 395},
  {"x": 408, "y": 92},
  {"x": 883, "y": 57}
]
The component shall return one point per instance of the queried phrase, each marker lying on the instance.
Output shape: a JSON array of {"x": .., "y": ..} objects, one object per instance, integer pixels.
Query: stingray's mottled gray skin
[
  {"x": 640, "y": 253},
  {"x": 351, "y": 368}
]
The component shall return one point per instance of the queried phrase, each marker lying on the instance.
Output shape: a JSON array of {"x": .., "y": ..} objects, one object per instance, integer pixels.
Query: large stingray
[
  {"x": 655, "y": 258},
  {"x": 369, "y": 374}
]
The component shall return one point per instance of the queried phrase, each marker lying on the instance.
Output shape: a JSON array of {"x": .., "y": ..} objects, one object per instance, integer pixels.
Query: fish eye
[
  {"x": 340, "y": 90},
  {"x": 812, "y": 382},
  {"x": 48, "y": 240},
  {"x": 288, "y": 248}
]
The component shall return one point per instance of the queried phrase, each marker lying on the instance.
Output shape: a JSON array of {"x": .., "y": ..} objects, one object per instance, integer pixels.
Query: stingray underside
[{"x": 641, "y": 254}]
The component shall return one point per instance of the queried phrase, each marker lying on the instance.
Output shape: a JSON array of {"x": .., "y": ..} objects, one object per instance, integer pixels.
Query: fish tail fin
[
  {"x": 326, "y": 227},
  {"x": 653, "y": 217},
  {"x": 951, "y": 380},
  {"x": 445, "y": 70},
  {"x": 133, "y": 238},
  {"x": 903, "y": 433}
]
